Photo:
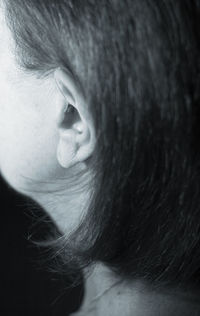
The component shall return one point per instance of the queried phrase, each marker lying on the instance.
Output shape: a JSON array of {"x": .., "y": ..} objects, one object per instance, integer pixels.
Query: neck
[
  {"x": 65, "y": 198},
  {"x": 134, "y": 299}
]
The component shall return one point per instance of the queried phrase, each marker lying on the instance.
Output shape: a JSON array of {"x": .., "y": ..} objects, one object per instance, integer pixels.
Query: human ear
[{"x": 74, "y": 122}]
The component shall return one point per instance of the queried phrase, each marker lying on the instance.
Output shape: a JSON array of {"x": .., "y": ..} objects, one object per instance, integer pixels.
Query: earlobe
[
  {"x": 86, "y": 144},
  {"x": 66, "y": 150},
  {"x": 75, "y": 145}
]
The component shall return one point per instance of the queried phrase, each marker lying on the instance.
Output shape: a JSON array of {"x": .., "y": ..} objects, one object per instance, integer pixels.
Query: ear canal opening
[{"x": 71, "y": 116}]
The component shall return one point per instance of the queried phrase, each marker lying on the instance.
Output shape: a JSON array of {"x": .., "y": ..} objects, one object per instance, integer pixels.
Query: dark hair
[{"x": 139, "y": 65}]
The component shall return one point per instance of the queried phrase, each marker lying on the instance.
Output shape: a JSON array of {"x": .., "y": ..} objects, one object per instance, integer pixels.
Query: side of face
[
  {"x": 38, "y": 148},
  {"x": 28, "y": 135}
]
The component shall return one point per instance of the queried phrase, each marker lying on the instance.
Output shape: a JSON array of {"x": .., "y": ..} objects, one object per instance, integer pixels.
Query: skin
[
  {"x": 37, "y": 145},
  {"x": 42, "y": 148},
  {"x": 135, "y": 299}
]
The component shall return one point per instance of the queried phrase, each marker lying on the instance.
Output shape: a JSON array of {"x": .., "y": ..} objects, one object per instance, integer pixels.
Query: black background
[{"x": 26, "y": 288}]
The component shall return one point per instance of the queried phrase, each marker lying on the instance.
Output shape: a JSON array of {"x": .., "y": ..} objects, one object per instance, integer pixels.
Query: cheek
[
  {"x": 27, "y": 130},
  {"x": 28, "y": 141}
]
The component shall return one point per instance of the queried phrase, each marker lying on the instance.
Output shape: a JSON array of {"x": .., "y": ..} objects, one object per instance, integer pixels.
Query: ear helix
[{"x": 63, "y": 89}]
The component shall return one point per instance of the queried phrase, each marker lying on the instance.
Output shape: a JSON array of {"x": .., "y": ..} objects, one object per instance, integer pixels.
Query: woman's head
[
  {"x": 126, "y": 155},
  {"x": 42, "y": 134}
]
